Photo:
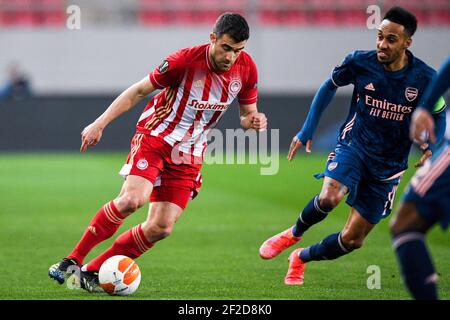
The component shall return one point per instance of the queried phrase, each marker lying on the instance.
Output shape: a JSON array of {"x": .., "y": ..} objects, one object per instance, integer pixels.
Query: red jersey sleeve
[
  {"x": 249, "y": 92},
  {"x": 170, "y": 72}
]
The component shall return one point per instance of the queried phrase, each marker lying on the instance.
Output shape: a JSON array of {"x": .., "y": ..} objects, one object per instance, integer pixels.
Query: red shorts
[{"x": 175, "y": 176}]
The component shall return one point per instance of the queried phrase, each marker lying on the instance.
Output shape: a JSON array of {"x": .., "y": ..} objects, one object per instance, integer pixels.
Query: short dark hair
[
  {"x": 232, "y": 24},
  {"x": 403, "y": 17}
]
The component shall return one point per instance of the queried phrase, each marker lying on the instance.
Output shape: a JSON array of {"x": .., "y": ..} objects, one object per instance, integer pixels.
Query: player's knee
[
  {"x": 157, "y": 231},
  {"x": 328, "y": 201},
  {"x": 405, "y": 220},
  {"x": 395, "y": 227},
  {"x": 351, "y": 242},
  {"x": 129, "y": 203}
]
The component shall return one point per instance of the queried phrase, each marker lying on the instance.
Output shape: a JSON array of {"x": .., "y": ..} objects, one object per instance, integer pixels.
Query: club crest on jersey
[
  {"x": 411, "y": 94},
  {"x": 235, "y": 86},
  {"x": 142, "y": 164},
  {"x": 332, "y": 166},
  {"x": 198, "y": 83},
  {"x": 163, "y": 66}
]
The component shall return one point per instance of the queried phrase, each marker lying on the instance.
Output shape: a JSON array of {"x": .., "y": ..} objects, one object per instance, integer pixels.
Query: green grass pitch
[{"x": 48, "y": 199}]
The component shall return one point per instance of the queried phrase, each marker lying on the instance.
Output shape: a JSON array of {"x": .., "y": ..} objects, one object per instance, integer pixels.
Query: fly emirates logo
[
  {"x": 387, "y": 110},
  {"x": 205, "y": 105}
]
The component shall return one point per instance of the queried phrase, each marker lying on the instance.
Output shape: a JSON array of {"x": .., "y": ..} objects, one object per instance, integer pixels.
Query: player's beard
[
  {"x": 384, "y": 60},
  {"x": 391, "y": 58},
  {"x": 223, "y": 65},
  {"x": 218, "y": 65}
]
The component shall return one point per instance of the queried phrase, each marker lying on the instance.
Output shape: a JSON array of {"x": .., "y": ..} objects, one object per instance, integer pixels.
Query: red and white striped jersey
[{"x": 195, "y": 97}]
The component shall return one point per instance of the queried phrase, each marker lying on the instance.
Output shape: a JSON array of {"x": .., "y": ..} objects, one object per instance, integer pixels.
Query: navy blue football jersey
[{"x": 382, "y": 103}]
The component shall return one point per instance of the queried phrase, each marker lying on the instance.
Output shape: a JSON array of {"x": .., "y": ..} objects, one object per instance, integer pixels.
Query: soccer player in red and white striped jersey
[{"x": 198, "y": 85}]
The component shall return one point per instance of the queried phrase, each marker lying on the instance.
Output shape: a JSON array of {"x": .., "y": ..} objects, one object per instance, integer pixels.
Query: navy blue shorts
[
  {"x": 429, "y": 188},
  {"x": 371, "y": 197}
]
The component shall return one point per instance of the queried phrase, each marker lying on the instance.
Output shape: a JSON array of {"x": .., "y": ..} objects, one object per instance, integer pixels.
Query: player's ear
[
  {"x": 408, "y": 42},
  {"x": 213, "y": 37}
]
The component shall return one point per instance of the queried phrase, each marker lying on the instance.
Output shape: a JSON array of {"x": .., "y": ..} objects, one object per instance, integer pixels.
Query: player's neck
[{"x": 398, "y": 64}]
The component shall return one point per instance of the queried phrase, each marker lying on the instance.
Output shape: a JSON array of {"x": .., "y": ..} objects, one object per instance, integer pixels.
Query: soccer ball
[{"x": 119, "y": 275}]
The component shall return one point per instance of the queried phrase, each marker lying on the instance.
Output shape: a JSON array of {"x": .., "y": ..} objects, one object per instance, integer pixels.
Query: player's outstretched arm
[
  {"x": 251, "y": 118},
  {"x": 92, "y": 134},
  {"x": 321, "y": 100}
]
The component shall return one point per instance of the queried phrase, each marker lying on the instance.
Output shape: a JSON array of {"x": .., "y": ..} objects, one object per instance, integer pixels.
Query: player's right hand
[
  {"x": 422, "y": 127},
  {"x": 90, "y": 136},
  {"x": 295, "y": 145}
]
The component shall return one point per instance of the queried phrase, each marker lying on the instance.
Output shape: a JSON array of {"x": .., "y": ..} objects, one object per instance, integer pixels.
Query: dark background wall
[{"x": 55, "y": 123}]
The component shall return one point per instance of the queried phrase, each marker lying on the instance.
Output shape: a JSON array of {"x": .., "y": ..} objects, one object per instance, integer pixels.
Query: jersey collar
[{"x": 402, "y": 72}]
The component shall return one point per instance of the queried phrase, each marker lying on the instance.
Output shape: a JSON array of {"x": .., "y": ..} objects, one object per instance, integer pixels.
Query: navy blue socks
[
  {"x": 416, "y": 266},
  {"x": 328, "y": 249},
  {"x": 311, "y": 214}
]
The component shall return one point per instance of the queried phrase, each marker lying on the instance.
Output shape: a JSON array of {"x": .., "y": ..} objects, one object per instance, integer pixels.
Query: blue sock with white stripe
[
  {"x": 415, "y": 265},
  {"x": 311, "y": 214},
  {"x": 328, "y": 249}
]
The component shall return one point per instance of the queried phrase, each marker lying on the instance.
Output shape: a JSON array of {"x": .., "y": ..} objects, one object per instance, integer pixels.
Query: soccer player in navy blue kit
[
  {"x": 373, "y": 144},
  {"x": 427, "y": 199}
]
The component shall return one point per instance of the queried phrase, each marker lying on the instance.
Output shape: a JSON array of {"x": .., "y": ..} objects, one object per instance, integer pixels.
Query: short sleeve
[
  {"x": 170, "y": 72},
  {"x": 249, "y": 91},
  {"x": 344, "y": 74}
]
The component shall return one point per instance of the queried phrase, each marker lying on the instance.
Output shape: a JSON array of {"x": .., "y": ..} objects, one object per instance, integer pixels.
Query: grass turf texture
[{"x": 48, "y": 199}]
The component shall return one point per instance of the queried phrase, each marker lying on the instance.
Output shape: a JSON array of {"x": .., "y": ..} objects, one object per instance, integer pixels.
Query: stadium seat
[
  {"x": 296, "y": 17},
  {"x": 153, "y": 18},
  {"x": 236, "y": 5},
  {"x": 439, "y": 17},
  {"x": 22, "y": 18},
  {"x": 185, "y": 17},
  {"x": 422, "y": 17},
  {"x": 325, "y": 17},
  {"x": 52, "y": 12},
  {"x": 54, "y": 18},
  {"x": 355, "y": 17},
  {"x": 442, "y": 4},
  {"x": 407, "y": 4},
  {"x": 352, "y": 4},
  {"x": 33, "y": 13},
  {"x": 208, "y": 16},
  {"x": 322, "y": 5},
  {"x": 268, "y": 17}
]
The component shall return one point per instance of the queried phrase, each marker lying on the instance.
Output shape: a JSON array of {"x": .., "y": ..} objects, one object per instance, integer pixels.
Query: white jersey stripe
[
  {"x": 148, "y": 113},
  {"x": 202, "y": 141},
  {"x": 440, "y": 165},
  {"x": 190, "y": 115}
]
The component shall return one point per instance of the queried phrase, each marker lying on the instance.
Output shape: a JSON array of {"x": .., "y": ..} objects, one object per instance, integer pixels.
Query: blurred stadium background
[{"x": 73, "y": 75}]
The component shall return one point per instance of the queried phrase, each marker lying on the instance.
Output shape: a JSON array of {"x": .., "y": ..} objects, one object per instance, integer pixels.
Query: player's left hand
[
  {"x": 427, "y": 153},
  {"x": 259, "y": 121},
  {"x": 295, "y": 145}
]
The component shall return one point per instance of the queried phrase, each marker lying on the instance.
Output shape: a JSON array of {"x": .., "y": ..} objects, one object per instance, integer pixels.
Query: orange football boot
[
  {"x": 277, "y": 244},
  {"x": 296, "y": 269}
]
